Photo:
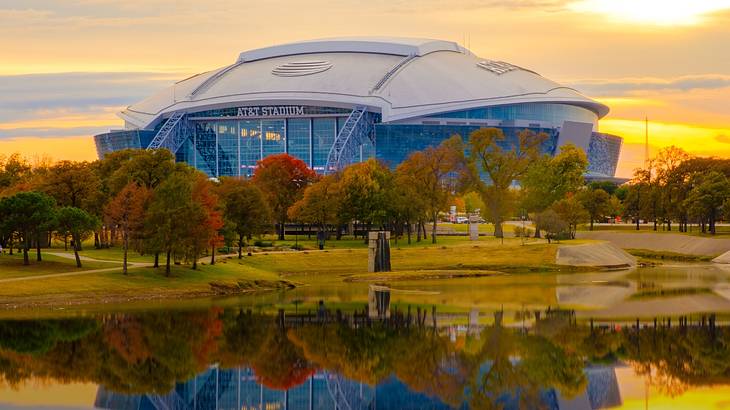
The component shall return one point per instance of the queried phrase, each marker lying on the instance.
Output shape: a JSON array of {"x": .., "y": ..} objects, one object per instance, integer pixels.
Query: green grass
[
  {"x": 721, "y": 231},
  {"x": 672, "y": 256},
  {"x": 667, "y": 293},
  {"x": 452, "y": 257},
  {"x": 11, "y": 266}
]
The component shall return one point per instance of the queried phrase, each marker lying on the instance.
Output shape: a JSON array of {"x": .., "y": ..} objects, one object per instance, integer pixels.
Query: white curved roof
[{"x": 400, "y": 77}]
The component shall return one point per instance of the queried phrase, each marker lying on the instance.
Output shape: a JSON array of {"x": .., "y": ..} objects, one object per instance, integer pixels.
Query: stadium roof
[{"x": 400, "y": 77}]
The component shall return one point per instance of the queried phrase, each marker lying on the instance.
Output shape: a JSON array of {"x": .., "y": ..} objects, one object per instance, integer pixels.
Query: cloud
[
  {"x": 38, "y": 96},
  {"x": 722, "y": 138},
  {"x": 624, "y": 86}
]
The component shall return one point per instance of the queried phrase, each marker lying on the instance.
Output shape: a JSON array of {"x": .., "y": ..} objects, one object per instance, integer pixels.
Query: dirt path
[{"x": 663, "y": 242}]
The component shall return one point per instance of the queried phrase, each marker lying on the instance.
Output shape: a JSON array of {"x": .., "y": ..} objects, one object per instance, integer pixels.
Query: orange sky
[{"x": 67, "y": 67}]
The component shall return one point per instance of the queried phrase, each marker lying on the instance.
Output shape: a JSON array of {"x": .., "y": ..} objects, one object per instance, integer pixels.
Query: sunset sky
[{"x": 66, "y": 67}]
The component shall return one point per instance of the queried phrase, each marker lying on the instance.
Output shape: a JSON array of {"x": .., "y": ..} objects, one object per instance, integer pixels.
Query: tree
[
  {"x": 282, "y": 178},
  {"x": 572, "y": 212},
  {"x": 28, "y": 214},
  {"x": 366, "y": 189},
  {"x": 171, "y": 216},
  {"x": 79, "y": 224},
  {"x": 320, "y": 203},
  {"x": 13, "y": 170},
  {"x": 126, "y": 211},
  {"x": 705, "y": 200},
  {"x": 72, "y": 184},
  {"x": 206, "y": 231},
  {"x": 551, "y": 179},
  {"x": 596, "y": 202},
  {"x": 553, "y": 225},
  {"x": 435, "y": 172},
  {"x": 245, "y": 208},
  {"x": 502, "y": 165}
]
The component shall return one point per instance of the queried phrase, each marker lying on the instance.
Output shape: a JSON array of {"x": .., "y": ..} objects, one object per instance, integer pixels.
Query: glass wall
[
  {"x": 205, "y": 158},
  {"x": 555, "y": 114},
  {"x": 323, "y": 136},
  {"x": 298, "y": 139},
  {"x": 273, "y": 137},
  {"x": 227, "y": 148},
  {"x": 250, "y": 132}
]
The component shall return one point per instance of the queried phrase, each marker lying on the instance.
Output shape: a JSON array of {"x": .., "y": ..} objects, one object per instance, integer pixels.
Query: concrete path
[
  {"x": 662, "y": 242},
  {"x": 130, "y": 265},
  {"x": 604, "y": 254}
]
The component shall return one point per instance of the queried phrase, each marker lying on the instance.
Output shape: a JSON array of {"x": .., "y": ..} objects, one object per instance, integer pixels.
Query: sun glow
[{"x": 656, "y": 12}]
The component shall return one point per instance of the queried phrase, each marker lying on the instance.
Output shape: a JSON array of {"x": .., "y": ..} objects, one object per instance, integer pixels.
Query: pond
[{"x": 510, "y": 342}]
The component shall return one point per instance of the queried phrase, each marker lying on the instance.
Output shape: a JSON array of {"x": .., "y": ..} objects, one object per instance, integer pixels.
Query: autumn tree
[
  {"x": 283, "y": 179},
  {"x": 365, "y": 190},
  {"x": 435, "y": 173},
  {"x": 320, "y": 204},
  {"x": 504, "y": 163},
  {"x": 205, "y": 228},
  {"x": 245, "y": 208},
  {"x": 13, "y": 170},
  {"x": 79, "y": 224},
  {"x": 28, "y": 215},
  {"x": 126, "y": 211}
]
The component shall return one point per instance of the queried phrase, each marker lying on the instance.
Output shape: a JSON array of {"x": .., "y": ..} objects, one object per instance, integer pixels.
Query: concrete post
[{"x": 379, "y": 251}]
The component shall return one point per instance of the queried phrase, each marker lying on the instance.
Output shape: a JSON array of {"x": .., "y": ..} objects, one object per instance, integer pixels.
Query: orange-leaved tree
[
  {"x": 282, "y": 178},
  {"x": 126, "y": 212},
  {"x": 210, "y": 219}
]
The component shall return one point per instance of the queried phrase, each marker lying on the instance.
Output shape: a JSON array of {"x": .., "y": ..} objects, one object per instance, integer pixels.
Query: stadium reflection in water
[{"x": 235, "y": 359}]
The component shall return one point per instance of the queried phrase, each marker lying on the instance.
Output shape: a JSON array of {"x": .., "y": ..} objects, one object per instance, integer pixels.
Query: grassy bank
[
  {"x": 267, "y": 269},
  {"x": 650, "y": 255}
]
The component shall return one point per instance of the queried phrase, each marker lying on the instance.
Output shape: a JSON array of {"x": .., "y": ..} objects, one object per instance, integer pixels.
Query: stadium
[{"x": 333, "y": 102}]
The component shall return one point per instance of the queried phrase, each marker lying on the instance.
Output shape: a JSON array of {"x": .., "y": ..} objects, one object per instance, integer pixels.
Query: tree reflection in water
[{"x": 498, "y": 367}]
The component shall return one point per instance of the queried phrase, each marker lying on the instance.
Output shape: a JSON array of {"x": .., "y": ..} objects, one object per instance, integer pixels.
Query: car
[{"x": 461, "y": 220}]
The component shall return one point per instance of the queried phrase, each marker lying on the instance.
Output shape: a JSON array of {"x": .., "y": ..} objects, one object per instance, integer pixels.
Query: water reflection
[{"x": 233, "y": 358}]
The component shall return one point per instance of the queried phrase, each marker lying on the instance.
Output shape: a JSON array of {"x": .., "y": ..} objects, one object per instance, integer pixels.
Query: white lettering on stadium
[{"x": 271, "y": 111}]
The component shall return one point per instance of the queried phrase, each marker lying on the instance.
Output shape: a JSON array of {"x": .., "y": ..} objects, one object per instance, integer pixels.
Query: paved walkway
[
  {"x": 663, "y": 242},
  {"x": 130, "y": 265}
]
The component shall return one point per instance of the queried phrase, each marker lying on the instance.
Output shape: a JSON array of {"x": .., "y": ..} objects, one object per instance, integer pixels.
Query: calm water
[{"x": 242, "y": 354}]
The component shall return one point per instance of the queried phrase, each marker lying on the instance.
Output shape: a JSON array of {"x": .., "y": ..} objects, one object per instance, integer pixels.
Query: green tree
[
  {"x": 28, "y": 215},
  {"x": 245, "y": 208},
  {"x": 551, "y": 179},
  {"x": 572, "y": 212},
  {"x": 705, "y": 200},
  {"x": 171, "y": 216},
  {"x": 596, "y": 202},
  {"x": 366, "y": 190},
  {"x": 79, "y": 224},
  {"x": 503, "y": 166},
  {"x": 553, "y": 225}
]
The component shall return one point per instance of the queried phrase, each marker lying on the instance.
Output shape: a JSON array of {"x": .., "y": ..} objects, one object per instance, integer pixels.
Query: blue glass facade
[
  {"x": 555, "y": 114},
  {"x": 226, "y": 143},
  {"x": 394, "y": 142}
]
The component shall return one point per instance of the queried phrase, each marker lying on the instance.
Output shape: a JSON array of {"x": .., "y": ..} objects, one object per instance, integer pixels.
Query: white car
[{"x": 461, "y": 220}]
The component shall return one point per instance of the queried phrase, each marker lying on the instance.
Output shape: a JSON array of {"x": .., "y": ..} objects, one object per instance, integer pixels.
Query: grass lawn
[
  {"x": 11, "y": 266},
  {"x": 452, "y": 256},
  {"x": 722, "y": 231}
]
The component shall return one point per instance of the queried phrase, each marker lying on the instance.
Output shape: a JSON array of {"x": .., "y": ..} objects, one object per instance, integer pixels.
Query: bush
[
  {"x": 263, "y": 244},
  {"x": 523, "y": 232}
]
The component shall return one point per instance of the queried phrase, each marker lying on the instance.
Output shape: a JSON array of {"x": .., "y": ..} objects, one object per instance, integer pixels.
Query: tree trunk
[
  {"x": 435, "y": 225},
  {"x": 637, "y": 223},
  {"x": 655, "y": 224},
  {"x": 240, "y": 246},
  {"x": 282, "y": 226},
  {"x": 125, "y": 235},
  {"x": 77, "y": 248},
  {"x": 408, "y": 229},
  {"x": 422, "y": 226},
  {"x": 212, "y": 256},
  {"x": 167, "y": 264},
  {"x": 97, "y": 243},
  {"x": 38, "y": 248},
  {"x": 65, "y": 243},
  {"x": 26, "y": 261}
]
